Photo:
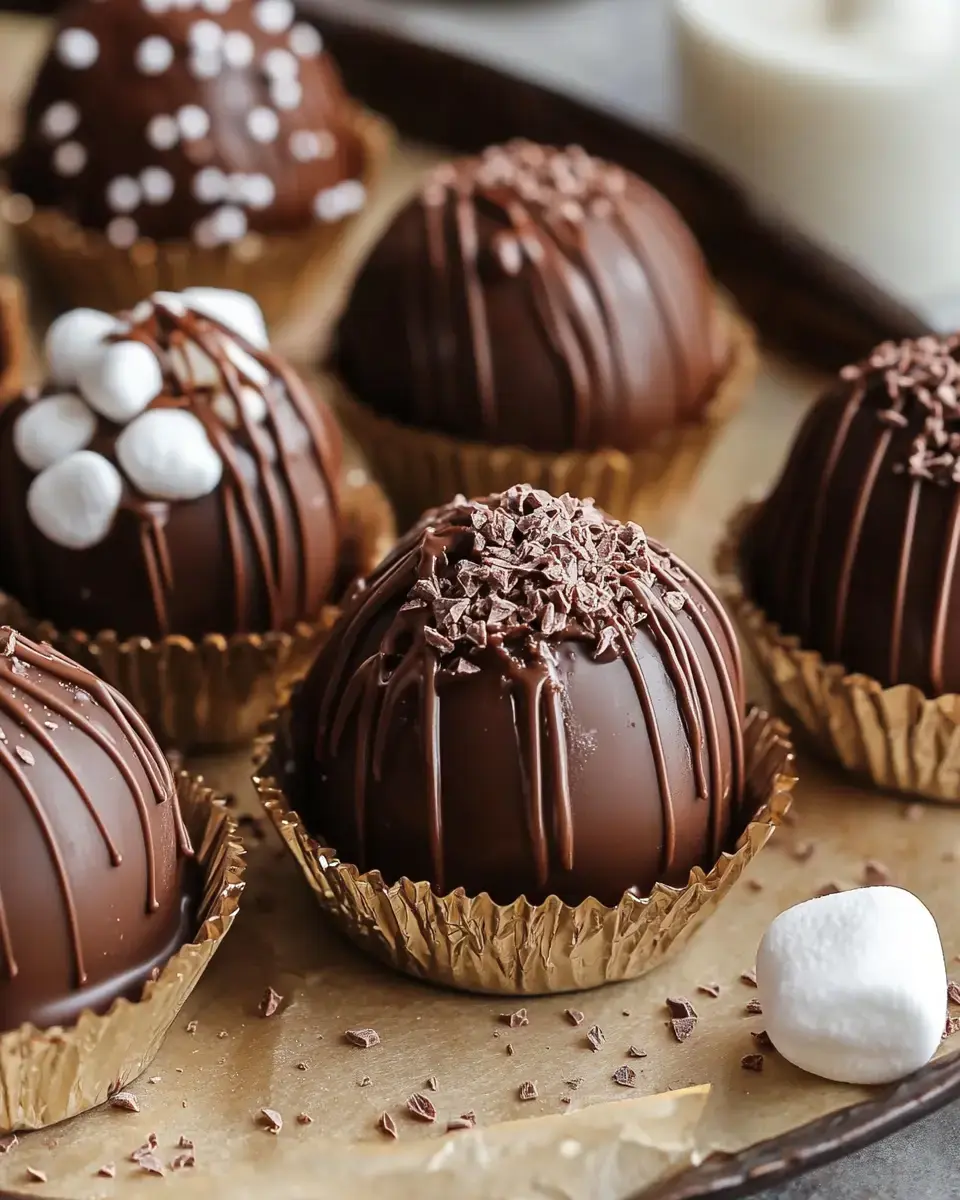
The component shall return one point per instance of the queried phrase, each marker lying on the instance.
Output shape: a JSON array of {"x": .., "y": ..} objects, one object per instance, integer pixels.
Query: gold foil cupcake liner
[
  {"x": 471, "y": 943},
  {"x": 217, "y": 691},
  {"x": 895, "y": 738},
  {"x": 48, "y": 1075},
  {"x": 421, "y": 469},
  {"x": 80, "y": 267}
]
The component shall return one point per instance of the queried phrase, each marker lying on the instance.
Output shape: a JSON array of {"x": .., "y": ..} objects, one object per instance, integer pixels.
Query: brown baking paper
[
  {"x": 421, "y": 469},
  {"x": 896, "y": 738},
  {"x": 220, "y": 690},
  {"x": 80, "y": 267},
  {"x": 47, "y": 1075},
  {"x": 470, "y": 942}
]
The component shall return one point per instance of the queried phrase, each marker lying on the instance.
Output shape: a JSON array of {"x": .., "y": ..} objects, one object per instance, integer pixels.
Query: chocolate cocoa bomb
[
  {"x": 150, "y": 121},
  {"x": 174, "y": 477},
  {"x": 97, "y": 882},
  {"x": 535, "y": 297},
  {"x": 527, "y": 698},
  {"x": 855, "y": 550}
]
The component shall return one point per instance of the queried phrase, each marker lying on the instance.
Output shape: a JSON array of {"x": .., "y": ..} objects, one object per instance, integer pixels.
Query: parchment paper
[{"x": 609, "y": 1141}]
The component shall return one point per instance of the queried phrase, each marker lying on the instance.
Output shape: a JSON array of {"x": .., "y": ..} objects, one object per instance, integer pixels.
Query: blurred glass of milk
[{"x": 843, "y": 115}]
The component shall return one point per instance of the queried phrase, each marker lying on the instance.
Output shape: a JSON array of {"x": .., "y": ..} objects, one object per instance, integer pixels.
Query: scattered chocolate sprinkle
[
  {"x": 625, "y": 1012},
  {"x": 222, "y": 1034},
  {"x": 420, "y": 1107},
  {"x": 108, "y": 1171},
  {"x": 7, "y": 1143},
  {"x": 683, "y": 1027},
  {"x": 304, "y": 1119},
  {"x": 709, "y": 989},
  {"x": 35, "y": 1175},
  {"x": 754, "y": 1006},
  {"x": 875, "y": 874},
  {"x": 191, "y": 1027},
  {"x": 754, "y": 885},
  {"x": 595, "y": 1038},
  {"x": 467, "y": 1120},
  {"x": 913, "y": 812},
  {"x": 573, "y": 1084},
  {"x": 387, "y": 1125},
  {"x": 762, "y": 1038},
  {"x": 636, "y": 1052},
  {"x": 365, "y": 1081},
  {"x": 573, "y": 1015},
  {"x": 270, "y": 1002},
  {"x": 271, "y": 1120},
  {"x": 749, "y": 977},
  {"x": 148, "y": 1147},
  {"x": 953, "y": 992},
  {"x": 150, "y": 1164},
  {"x": 185, "y": 1143},
  {"x": 515, "y": 1019},
  {"x": 752, "y": 1062},
  {"x": 364, "y": 1038},
  {"x": 182, "y": 1161},
  {"x": 625, "y": 1076},
  {"x": 828, "y": 889},
  {"x": 25, "y": 754},
  {"x": 566, "y": 1099},
  {"x": 125, "y": 1100},
  {"x": 433, "y": 1084},
  {"x": 951, "y": 1026},
  {"x": 510, "y": 1049},
  {"x": 8, "y": 643},
  {"x": 528, "y": 1090},
  {"x": 680, "y": 1007}
]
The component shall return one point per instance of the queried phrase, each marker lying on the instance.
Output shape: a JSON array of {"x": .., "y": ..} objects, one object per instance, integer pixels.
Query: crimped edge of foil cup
[
  {"x": 893, "y": 738},
  {"x": 423, "y": 468},
  {"x": 48, "y": 1075},
  {"x": 471, "y": 943}
]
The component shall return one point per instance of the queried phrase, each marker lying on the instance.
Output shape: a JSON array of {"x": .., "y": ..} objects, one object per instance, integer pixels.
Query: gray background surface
[{"x": 611, "y": 52}]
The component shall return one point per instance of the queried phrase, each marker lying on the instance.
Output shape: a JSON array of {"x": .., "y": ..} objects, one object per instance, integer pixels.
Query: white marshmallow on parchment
[
  {"x": 52, "y": 428},
  {"x": 167, "y": 455},
  {"x": 853, "y": 985},
  {"x": 121, "y": 381},
  {"x": 74, "y": 340},
  {"x": 74, "y": 502}
]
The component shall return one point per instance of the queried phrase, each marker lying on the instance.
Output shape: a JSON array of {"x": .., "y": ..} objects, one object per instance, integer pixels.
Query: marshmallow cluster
[{"x": 103, "y": 370}]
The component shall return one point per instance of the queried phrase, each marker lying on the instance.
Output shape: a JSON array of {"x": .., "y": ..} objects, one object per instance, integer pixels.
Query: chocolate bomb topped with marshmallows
[
  {"x": 174, "y": 477},
  {"x": 96, "y": 885},
  {"x": 857, "y": 549},
  {"x": 535, "y": 297},
  {"x": 149, "y": 120},
  {"x": 526, "y": 698}
]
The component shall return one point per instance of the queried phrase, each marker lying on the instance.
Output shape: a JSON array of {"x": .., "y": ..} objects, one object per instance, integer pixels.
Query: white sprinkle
[
  {"x": 77, "y": 48},
  {"x": 205, "y": 36},
  {"x": 257, "y": 191},
  {"x": 229, "y": 223},
  {"x": 205, "y": 65},
  {"x": 305, "y": 41},
  {"x": 157, "y": 184},
  {"x": 122, "y": 232},
  {"x": 209, "y": 185},
  {"x": 263, "y": 124},
  {"x": 153, "y": 55},
  {"x": 340, "y": 201},
  {"x": 163, "y": 133},
  {"x": 273, "y": 16},
  {"x": 238, "y": 49},
  {"x": 286, "y": 93},
  {"x": 280, "y": 64},
  {"x": 60, "y": 120},
  {"x": 69, "y": 159},
  {"x": 123, "y": 194},
  {"x": 193, "y": 121}
]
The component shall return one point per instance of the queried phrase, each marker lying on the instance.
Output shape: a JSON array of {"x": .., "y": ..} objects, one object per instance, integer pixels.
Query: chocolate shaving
[
  {"x": 574, "y": 1084},
  {"x": 150, "y": 1164},
  {"x": 271, "y": 1120},
  {"x": 364, "y": 1038},
  {"x": 515, "y": 1019},
  {"x": 875, "y": 874},
  {"x": 35, "y": 1175},
  {"x": 366, "y": 1081},
  {"x": 387, "y": 1125},
  {"x": 433, "y": 1084},
  {"x": 528, "y": 1090},
  {"x": 420, "y": 1107},
  {"x": 8, "y": 643},
  {"x": 754, "y": 1006},
  {"x": 185, "y": 1143},
  {"x": 953, "y": 992},
  {"x": 304, "y": 1119},
  {"x": 951, "y": 1027},
  {"x": 625, "y": 1076},
  {"x": 636, "y": 1052},
  {"x": 595, "y": 1038},
  {"x": 270, "y": 1002},
  {"x": 8, "y": 1142},
  {"x": 573, "y": 1015},
  {"x": 148, "y": 1147},
  {"x": 191, "y": 1027},
  {"x": 828, "y": 889},
  {"x": 749, "y": 977},
  {"x": 183, "y": 1161},
  {"x": 709, "y": 989},
  {"x": 680, "y": 1007},
  {"x": 752, "y": 1062},
  {"x": 510, "y": 1050},
  {"x": 683, "y": 1027},
  {"x": 125, "y": 1100},
  {"x": 762, "y": 1038},
  {"x": 108, "y": 1171},
  {"x": 467, "y": 1120}
]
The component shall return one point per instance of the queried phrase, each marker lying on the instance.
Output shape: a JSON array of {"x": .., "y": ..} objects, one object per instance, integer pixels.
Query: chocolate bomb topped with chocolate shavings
[
  {"x": 173, "y": 477},
  {"x": 98, "y": 886},
  {"x": 855, "y": 551},
  {"x": 536, "y": 297},
  {"x": 526, "y": 698}
]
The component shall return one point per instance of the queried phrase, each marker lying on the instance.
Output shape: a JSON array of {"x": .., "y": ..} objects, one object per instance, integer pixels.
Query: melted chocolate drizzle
[
  {"x": 501, "y": 584},
  {"x": 64, "y": 688}
]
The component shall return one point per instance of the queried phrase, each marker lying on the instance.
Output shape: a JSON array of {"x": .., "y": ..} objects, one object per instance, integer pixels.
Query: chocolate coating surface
[
  {"x": 856, "y": 549},
  {"x": 149, "y": 121},
  {"x": 257, "y": 551},
  {"x": 528, "y": 698},
  {"x": 535, "y": 297},
  {"x": 96, "y": 879}
]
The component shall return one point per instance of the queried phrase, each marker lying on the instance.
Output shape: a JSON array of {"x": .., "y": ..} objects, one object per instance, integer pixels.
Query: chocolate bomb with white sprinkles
[{"x": 526, "y": 698}]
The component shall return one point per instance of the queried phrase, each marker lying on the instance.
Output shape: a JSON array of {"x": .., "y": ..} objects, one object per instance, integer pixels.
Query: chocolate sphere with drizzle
[
  {"x": 857, "y": 549},
  {"x": 535, "y": 297},
  {"x": 175, "y": 477},
  {"x": 527, "y": 698},
  {"x": 96, "y": 889}
]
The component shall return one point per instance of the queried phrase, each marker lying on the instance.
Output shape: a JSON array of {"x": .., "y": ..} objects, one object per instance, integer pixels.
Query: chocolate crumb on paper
[
  {"x": 573, "y": 1015},
  {"x": 125, "y": 1100},
  {"x": 387, "y": 1125},
  {"x": 304, "y": 1118},
  {"x": 185, "y": 1143},
  {"x": 573, "y": 1084},
  {"x": 515, "y": 1019},
  {"x": 433, "y": 1084},
  {"x": 636, "y": 1052},
  {"x": 951, "y": 1027},
  {"x": 107, "y": 1171},
  {"x": 420, "y": 1107},
  {"x": 269, "y": 1003},
  {"x": 752, "y": 1062},
  {"x": 753, "y": 1007},
  {"x": 366, "y": 1081},
  {"x": 183, "y": 1161},
  {"x": 754, "y": 884},
  {"x": 709, "y": 989},
  {"x": 466, "y": 1120},
  {"x": 528, "y": 1090},
  {"x": 192, "y": 1026},
  {"x": 364, "y": 1038},
  {"x": 8, "y": 1143},
  {"x": 154, "y": 1079},
  {"x": 749, "y": 977},
  {"x": 683, "y": 1027},
  {"x": 148, "y": 1147},
  {"x": 625, "y": 1077},
  {"x": 680, "y": 1007},
  {"x": 35, "y": 1175},
  {"x": 150, "y": 1165},
  {"x": 271, "y": 1120},
  {"x": 875, "y": 874},
  {"x": 953, "y": 992},
  {"x": 762, "y": 1038},
  {"x": 509, "y": 1049},
  {"x": 595, "y": 1038}
]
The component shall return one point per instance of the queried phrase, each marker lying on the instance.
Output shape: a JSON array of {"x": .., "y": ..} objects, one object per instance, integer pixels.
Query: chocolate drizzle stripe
[
  {"x": 564, "y": 804},
  {"x": 941, "y": 611},
  {"x": 467, "y": 232},
  {"x": 158, "y": 585},
  {"x": 903, "y": 575},
  {"x": 430, "y": 723},
  {"x": 6, "y": 944}
]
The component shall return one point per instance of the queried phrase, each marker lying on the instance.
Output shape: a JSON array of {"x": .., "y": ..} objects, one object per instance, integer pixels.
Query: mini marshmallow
[
  {"x": 853, "y": 985},
  {"x": 120, "y": 382},
  {"x": 166, "y": 454},
  {"x": 73, "y": 340},
  {"x": 234, "y": 310},
  {"x": 252, "y": 402},
  {"x": 74, "y": 502},
  {"x": 51, "y": 429}
]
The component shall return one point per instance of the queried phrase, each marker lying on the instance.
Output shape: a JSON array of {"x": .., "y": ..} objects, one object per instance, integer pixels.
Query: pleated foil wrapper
[
  {"x": 48, "y": 1075},
  {"x": 80, "y": 267},
  {"x": 421, "y": 469},
  {"x": 894, "y": 738},
  {"x": 216, "y": 692},
  {"x": 471, "y": 943}
]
